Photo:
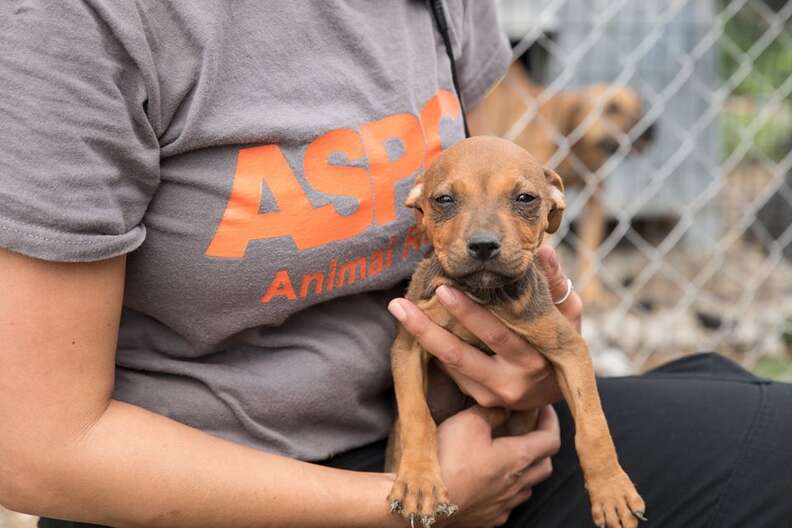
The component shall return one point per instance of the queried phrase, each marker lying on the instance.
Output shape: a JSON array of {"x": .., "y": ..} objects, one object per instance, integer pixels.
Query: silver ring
[{"x": 570, "y": 289}]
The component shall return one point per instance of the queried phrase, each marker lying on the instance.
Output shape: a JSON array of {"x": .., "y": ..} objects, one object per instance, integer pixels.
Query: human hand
[
  {"x": 487, "y": 478},
  {"x": 516, "y": 376}
]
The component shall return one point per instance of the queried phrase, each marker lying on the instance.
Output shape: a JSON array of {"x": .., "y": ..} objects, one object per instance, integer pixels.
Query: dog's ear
[
  {"x": 413, "y": 201},
  {"x": 557, "y": 204},
  {"x": 414, "y": 196},
  {"x": 573, "y": 115}
]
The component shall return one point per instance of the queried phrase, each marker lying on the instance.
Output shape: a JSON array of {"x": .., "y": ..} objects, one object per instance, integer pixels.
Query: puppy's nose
[{"x": 483, "y": 246}]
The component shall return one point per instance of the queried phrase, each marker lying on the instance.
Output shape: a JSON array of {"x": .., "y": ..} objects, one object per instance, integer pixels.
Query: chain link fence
[{"x": 692, "y": 248}]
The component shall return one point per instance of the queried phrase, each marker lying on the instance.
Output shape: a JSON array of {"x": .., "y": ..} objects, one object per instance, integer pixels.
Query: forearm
[{"x": 136, "y": 468}]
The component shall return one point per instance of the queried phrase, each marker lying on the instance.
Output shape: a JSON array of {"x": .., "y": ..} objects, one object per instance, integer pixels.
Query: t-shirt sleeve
[
  {"x": 483, "y": 51},
  {"x": 79, "y": 160}
]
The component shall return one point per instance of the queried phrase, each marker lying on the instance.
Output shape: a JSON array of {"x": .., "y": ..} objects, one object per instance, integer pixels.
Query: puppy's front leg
[
  {"x": 419, "y": 492},
  {"x": 614, "y": 499}
]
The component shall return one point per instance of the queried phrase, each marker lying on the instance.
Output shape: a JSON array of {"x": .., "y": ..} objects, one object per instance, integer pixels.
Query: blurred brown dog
[
  {"x": 610, "y": 114},
  {"x": 486, "y": 204}
]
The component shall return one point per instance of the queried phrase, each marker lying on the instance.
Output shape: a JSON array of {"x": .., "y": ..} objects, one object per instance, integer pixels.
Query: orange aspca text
[{"x": 373, "y": 188}]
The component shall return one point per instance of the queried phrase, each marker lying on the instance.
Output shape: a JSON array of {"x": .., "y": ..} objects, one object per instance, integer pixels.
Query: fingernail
[
  {"x": 447, "y": 296},
  {"x": 397, "y": 310}
]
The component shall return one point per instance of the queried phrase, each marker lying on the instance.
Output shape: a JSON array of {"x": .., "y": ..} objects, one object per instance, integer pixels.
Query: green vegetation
[
  {"x": 769, "y": 71},
  {"x": 771, "y": 141},
  {"x": 779, "y": 369},
  {"x": 771, "y": 68}
]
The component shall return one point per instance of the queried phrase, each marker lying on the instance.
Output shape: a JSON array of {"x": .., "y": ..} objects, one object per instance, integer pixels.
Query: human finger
[
  {"x": 518, "y": 498},
  {"x": 561, "y": 289},
  {"x": 490, "y": 380},
  {"x": 532, "y": 383},
  {"x": 483, "y": 324},
  {"x": 491, "y": 417},
  {"x": 548, "y": 421},
  {"x": 524, "y": 450},
  {"x": 442, "y": 344},
  {"x": 536, "y": 473}
]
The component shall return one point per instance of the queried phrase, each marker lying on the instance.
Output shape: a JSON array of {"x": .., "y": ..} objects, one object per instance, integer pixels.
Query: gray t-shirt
[{"x": 252, "y": 159}]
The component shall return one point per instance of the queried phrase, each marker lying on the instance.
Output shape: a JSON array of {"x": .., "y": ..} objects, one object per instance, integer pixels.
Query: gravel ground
[{"x": 743, "y": 311}]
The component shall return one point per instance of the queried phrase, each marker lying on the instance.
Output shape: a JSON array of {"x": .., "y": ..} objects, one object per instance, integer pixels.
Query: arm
[{"x": 68, "y": 450}]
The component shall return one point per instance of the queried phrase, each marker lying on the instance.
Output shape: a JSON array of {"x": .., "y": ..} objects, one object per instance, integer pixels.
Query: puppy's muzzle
[{"x": 483, "y": 246}]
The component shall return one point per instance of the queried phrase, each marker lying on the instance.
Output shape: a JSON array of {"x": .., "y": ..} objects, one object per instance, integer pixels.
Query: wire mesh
[{"x": 696, "y": 238}]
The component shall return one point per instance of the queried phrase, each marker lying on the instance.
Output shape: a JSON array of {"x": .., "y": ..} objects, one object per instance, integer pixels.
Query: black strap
[{"x": 438, "y": 13}]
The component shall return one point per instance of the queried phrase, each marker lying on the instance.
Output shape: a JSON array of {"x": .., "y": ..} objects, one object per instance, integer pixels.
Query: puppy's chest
[{"x": 443, "y": 394}]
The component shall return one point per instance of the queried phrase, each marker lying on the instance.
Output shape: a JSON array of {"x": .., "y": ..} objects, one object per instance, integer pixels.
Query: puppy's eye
[
  {"x": 525, "y": 198},
  {"x": 444, "y": 199},
  {"x": 612, "y": 108}
]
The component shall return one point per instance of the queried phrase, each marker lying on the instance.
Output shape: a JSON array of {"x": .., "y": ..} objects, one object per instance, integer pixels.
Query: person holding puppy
[{"x": 202, "y": 231}]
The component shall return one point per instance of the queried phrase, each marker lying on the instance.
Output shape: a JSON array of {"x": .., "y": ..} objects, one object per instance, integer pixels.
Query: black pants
[{"x": 706, "y": 443}]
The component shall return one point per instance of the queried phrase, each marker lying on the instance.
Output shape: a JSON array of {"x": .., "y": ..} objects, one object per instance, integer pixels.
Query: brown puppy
[
  {"x": 598, "y": 118},
  {"x": 485, "y": 204}
]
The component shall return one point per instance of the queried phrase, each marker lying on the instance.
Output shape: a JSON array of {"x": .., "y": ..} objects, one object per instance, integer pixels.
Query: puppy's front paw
[
  {"x": 615, "y": 502},
  {"x": 420, "y": 498}
]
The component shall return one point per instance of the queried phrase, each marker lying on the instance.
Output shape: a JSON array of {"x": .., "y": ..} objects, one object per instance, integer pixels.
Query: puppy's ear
[
  {"x": 557, "y": 205},
  {"x": 413, "y": 201},
  {"x": 414, "y": 196}
]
